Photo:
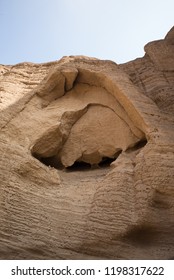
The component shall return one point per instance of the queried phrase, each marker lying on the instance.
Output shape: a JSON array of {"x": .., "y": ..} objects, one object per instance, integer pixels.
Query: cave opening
[
  {"x": 106, "y": 161},
  {"x": 54, "y": 162},
  {"x": 139, "y": 145},
  {"x": 78, "y": 165},
  {"x": 82, "y": 166},
  {"x": 51, "y": 162}
]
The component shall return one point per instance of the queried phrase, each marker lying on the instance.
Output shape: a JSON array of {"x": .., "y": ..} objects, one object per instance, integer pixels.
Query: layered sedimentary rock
[{"x": 60, "y": 119}]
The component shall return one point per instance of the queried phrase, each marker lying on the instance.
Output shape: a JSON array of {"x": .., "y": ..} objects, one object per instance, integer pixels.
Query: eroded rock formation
[
  {"x": 79, "y": 111},
  {"x": 90, "y": 123}
]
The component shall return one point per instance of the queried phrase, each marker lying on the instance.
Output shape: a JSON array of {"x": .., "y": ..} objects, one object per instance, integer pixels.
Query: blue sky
[{"x": 46, "y": 30}]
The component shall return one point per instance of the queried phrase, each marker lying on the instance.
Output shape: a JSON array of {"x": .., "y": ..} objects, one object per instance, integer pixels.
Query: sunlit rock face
[
  {"x": 91, "y": 124},
  {"x": 58, "y": 121}
]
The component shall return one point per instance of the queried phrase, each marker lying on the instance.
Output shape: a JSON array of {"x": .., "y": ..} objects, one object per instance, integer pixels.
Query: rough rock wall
[
  {"x": 60, "y": 119},
  {"x": 153, "y": 73}
]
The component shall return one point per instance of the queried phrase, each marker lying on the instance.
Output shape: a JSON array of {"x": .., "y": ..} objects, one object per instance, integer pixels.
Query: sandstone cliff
[{"x": 59, "y": 120}]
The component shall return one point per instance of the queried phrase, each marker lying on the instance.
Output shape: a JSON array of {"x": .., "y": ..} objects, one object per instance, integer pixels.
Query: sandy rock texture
[{"x": 87, "y": 157}]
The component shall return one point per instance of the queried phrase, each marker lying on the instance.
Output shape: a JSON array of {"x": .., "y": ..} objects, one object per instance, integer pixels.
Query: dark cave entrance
[
  {"x": 140, "y": 144},
  {"x": 106, "y": 161},
  {"x": 83, "y": 166},
  {"x": 51, "y": 162},
  {"x": 78, "y": 165}
]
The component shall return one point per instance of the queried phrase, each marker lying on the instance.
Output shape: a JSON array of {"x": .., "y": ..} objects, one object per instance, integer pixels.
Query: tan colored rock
[
  {"x": 52, "y": 87},
  {"x": 154, "y": 73},
  {"x": 58, "y": 80},
  {"x": 70, "y": 76},
  {"x": 82, "y": 110},
  {"x": 97, "y": 134}
]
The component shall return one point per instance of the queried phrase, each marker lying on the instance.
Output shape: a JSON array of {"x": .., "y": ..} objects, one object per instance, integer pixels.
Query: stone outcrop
[
  {"x": 90, "y": 124},
  {"x": 57, "y": 121}
]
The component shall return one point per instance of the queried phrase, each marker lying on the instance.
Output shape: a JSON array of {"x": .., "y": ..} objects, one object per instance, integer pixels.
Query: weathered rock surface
[{"x": 80, "y": 111}]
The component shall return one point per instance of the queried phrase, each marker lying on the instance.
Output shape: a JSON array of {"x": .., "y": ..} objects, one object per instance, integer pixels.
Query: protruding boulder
[
  {"x": 98, "y": 133},
  {"x": 53, "y": 86}
]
